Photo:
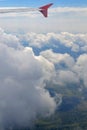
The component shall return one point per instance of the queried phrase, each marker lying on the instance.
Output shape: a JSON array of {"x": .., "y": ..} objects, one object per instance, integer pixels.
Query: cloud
[
  {"x": 69, "y": 10},
  {"x": 75, "y": 42},
  {"x": 22, "y": 88},
  {"x": 23, "y": 74},
  {"x": 81, "y": 69},
  {"x": 9, "y": 39},
  {"x": 64, "y": 60},
  {"x": 64, "y": 64},
  {"x": 58, "y": 58}
]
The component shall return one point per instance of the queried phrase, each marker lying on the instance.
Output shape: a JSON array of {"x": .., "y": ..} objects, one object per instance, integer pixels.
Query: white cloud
[
  {"x": 9, "y": 39},
  {"x": 35, "y": 40},
  {"x": 64, "y": 63},
  {"x": 69, "y": 10},
  {"x": 23, "y": 75},
  {"x": 22, "y": 88},
  {"x": 81, "y": 68},
  {"x": 64, "y": 73},
  {"x": 58, "y": 58},
  {"x": 65, "y": 77},
  {"x": 76, "y": 42}
]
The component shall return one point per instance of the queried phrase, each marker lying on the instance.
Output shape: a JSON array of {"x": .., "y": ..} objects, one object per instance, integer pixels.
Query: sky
[
  {"x": 38, "y": 3},
  {"x": 35, "y": 51},
  {"x": 69, "y": 15}
]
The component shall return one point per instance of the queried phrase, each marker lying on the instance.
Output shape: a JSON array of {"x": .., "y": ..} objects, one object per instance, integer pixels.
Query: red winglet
[{"x": 44, "y": 9}]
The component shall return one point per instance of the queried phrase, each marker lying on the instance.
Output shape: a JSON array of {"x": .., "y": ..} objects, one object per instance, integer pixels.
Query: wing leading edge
[{"x": 43, "y": 9}]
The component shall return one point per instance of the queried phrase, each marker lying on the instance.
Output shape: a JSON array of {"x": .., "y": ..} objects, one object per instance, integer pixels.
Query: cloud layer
[
  {"x": 61, "y": 60},
  {"x": 70, "y": 19}
]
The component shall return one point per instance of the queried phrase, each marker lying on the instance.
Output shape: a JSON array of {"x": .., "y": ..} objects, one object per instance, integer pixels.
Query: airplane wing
[{"x": 43, "y": 9}]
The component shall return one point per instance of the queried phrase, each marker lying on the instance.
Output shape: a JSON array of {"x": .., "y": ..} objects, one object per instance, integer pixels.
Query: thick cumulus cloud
[
  {"x": 22, "y": 88},
  {"x": 64, "y": 64},
  {"x": 58, "y": 58},
  {"x": 81, "y": 68}
]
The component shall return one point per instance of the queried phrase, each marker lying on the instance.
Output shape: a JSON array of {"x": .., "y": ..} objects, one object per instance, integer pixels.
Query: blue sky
[{"x": 40, "y": 2}]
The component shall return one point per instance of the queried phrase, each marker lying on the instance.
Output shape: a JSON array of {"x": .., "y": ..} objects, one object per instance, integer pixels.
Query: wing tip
[{"x": 44, "y": 9}]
